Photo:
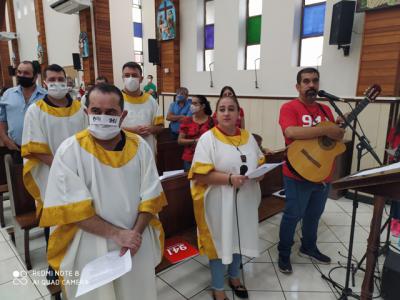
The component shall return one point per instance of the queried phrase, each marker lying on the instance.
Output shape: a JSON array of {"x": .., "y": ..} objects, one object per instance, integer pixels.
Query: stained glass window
[
  {"x": 253, "y": 34},
  {"x": 312, "y": 33},
  {"x": 209, "y": 20}
]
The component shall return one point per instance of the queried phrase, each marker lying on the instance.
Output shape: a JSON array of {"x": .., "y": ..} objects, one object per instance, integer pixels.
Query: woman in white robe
[{"x": 220, "y": 155}]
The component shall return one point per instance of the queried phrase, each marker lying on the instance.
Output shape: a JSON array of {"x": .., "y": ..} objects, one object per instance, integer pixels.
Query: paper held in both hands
[
  {"x": 103, "y": 270},
  {"x": 378, "y": 170},
  {"x": 261, "y": 170}
]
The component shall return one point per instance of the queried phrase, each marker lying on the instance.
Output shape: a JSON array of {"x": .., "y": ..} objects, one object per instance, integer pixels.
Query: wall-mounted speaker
[
  {"x": 342, "y": 23},
  {"x": 76, "y": 58},
  {"x": 154, "y": 52}
]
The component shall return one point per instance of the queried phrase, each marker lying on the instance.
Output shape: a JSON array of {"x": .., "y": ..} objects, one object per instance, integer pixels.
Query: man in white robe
[
  {"x": 47, "y": 124},
  {"x": 143, "y": 116},
  {"x": 104, "y": 194}
]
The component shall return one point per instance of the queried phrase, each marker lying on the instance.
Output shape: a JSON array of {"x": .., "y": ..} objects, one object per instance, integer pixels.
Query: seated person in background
[
  {"x": 193, "y": 127},
  {"x": 99, "y": 79},
  {"x": 259, "y": 142},
  {"x": 71, "y": 88},
  {"x": 178, "y": 110},
  {"x": 393, "y": 142},
  {"x": 228, "y": 91},
  {"x": 150, "y": 87}
]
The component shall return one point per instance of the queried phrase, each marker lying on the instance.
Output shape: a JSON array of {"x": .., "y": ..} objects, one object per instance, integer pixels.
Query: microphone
[
  {"x": 324, "y": 94},
  {"x": 243, "y": 169}
]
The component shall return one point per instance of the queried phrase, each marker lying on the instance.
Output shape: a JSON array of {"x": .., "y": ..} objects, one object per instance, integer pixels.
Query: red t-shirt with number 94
[{"x": 297, "y": 113}]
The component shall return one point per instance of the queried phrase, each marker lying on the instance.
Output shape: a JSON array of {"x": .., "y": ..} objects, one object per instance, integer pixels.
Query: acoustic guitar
[{"x": 313, "y": 159}]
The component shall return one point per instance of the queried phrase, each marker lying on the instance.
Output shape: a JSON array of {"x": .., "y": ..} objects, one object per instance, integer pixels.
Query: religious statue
[
  {"x": 40, "y": 53},
  {"x": 84, "y": 44}
]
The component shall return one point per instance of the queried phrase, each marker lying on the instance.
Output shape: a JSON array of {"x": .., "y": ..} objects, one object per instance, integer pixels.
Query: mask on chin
[
  {"x": 131, "y": 84},
  {"x": 104, "y": 127},
  {"x": 25, "y": 81},
  {"x": 57, "y": 90}
]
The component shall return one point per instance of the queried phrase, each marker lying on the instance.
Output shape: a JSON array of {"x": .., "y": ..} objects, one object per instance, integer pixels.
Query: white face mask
[
  {"x": 57, "y": 90},
  {"x": 104, "y": 127},
  {"x": 194, "y": 109},
  {"x": 131, "y": 84}
]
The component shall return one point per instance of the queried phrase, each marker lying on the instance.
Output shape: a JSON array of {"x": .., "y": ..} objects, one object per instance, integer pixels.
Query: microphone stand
[
  {"x": 243, "y": 170},
  {"x": 361, "y": 146}
]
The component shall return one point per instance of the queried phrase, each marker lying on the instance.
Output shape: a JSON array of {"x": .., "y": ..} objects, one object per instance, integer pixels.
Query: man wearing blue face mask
[
  {"x": 103, "y": 196},
  {"x": 178, "y": 110}
]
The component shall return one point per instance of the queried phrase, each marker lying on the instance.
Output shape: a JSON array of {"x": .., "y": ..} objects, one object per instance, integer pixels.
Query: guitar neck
[{"x": 353, "y": 115}]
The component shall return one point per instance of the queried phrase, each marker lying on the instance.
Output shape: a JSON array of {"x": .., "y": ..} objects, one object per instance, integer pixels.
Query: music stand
[{"x": 382, "y": 185}]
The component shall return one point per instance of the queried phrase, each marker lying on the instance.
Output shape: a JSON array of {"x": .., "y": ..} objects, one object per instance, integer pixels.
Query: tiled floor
[{"x": 191, "y": 279}]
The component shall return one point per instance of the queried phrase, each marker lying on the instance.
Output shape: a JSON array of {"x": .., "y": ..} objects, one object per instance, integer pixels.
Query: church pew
[
  {"x": 178, "y": 216},
  {"x": 169, "y": 152}
]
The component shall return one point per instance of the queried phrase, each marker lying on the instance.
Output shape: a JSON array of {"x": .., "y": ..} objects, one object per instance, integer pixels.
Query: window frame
[
  {"x": 301, "y": 38},
  {"x": 246, "y": 44},
  {"x": 137, "y": 52},
  {"x": 204, "y": 32}
]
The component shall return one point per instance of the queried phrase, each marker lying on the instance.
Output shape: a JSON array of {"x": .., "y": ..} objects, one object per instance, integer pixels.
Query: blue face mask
[{"x": 180, "y": 98}]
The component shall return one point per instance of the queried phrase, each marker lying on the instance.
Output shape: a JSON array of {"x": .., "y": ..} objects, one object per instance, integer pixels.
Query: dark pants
[
  {"x": 396, "y": 210},
  {"x": 187, "y": 165},
  {"x": 174, "y": 135},
  {"x": 304, "y": 201},
  {"x": 51, "y": 275},
  {"x": 16, "y": 156}
]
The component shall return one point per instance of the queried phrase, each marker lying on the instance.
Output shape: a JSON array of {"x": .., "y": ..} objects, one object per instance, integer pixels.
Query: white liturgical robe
[
  {"x": 45, "y": 128},
  {"x": 85, "y": 179},
  {"x": 214, "y": 205}
]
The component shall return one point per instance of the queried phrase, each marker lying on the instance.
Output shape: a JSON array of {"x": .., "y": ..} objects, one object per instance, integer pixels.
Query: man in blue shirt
[
  {"x": 15, "y": 102},
  {"x": 179, "y": 109}
]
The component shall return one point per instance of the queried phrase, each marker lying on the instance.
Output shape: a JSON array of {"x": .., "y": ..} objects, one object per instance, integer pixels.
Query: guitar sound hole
[{"x": 326, "y": 143}]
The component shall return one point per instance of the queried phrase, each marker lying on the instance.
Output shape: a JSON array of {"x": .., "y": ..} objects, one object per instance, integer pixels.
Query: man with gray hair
[{"x": 178, "y": 110}]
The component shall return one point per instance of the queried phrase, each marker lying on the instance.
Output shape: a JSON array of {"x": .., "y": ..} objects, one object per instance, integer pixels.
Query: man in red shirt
[{"x": 305, "y": 200}]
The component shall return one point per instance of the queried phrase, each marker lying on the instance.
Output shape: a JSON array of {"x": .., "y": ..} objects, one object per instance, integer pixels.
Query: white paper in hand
[
  {"x": 103, "y": 270},
  {"x": 261, "y": 170}
]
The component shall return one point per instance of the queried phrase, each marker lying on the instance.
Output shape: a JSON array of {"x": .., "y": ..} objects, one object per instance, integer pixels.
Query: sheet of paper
[
  {"x": 261, "y": 170},
  {"x": 103, "y": 270},
  {"x": 378, "y": 170},
  {"x": 390, "y": 151},
  {"x": 169, "y": 174}
]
